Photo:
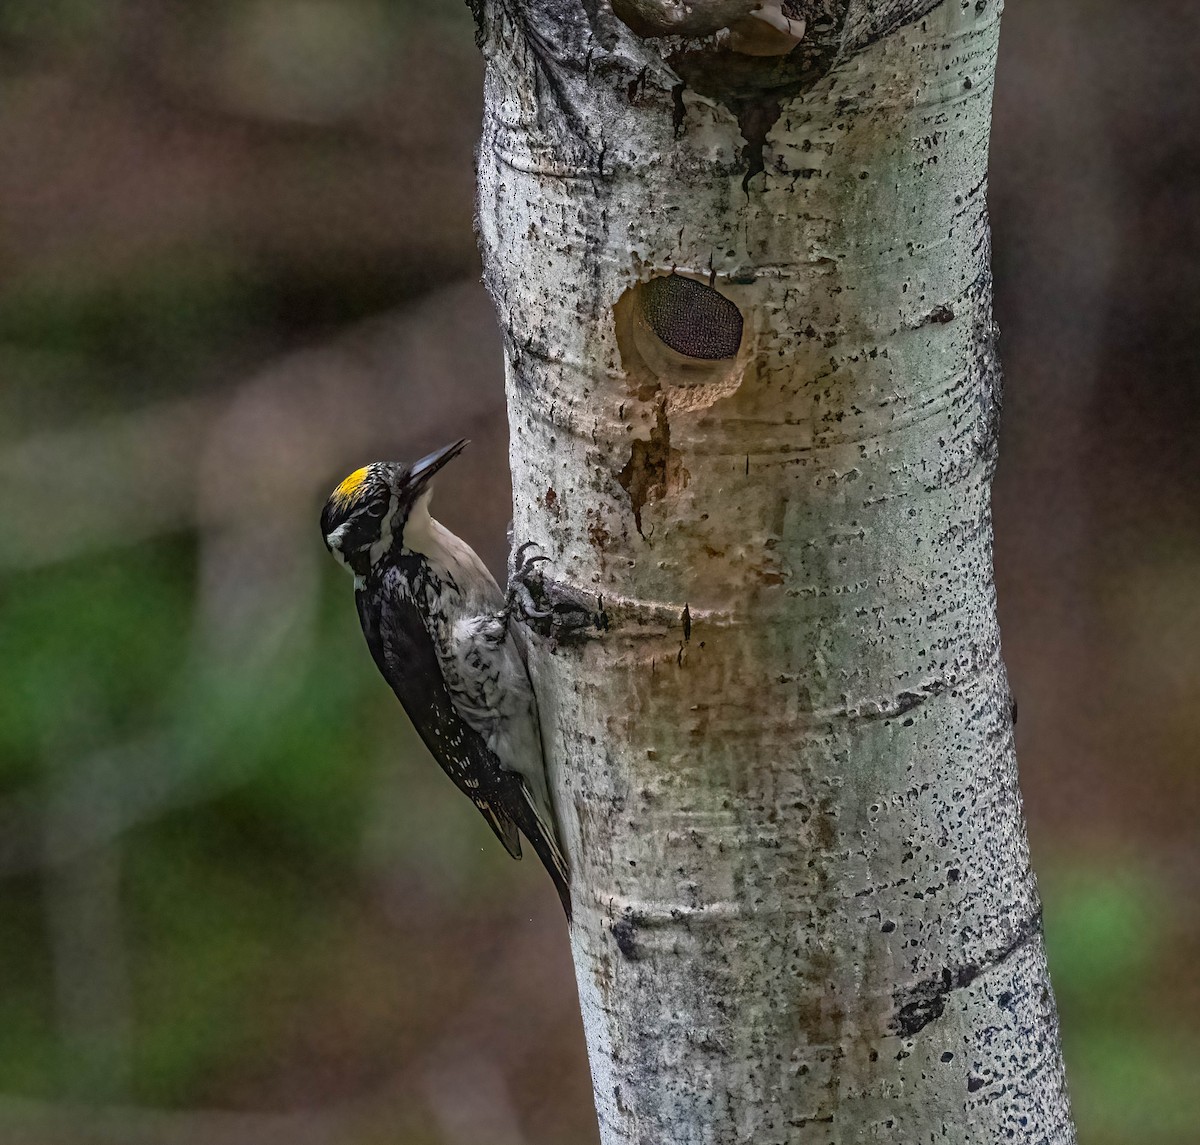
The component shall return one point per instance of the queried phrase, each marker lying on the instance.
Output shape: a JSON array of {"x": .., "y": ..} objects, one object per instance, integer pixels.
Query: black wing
[{"x": 404, "y": 653}]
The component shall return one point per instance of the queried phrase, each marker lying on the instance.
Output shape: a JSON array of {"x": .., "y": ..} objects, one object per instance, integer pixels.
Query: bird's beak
[{"x": 422, "y": 471}]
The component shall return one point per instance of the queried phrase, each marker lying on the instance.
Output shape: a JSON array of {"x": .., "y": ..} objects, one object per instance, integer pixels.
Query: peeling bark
[{"x": 776, "y": 717}]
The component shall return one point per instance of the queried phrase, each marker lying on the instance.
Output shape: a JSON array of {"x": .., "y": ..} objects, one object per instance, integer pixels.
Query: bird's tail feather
[
  {"x": 537, "y": 825},
  {"x": 503, "y": 826}
]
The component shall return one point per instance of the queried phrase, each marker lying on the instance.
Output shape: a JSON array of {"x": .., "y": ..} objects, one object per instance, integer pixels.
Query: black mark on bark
[
  {"x": 679, "y": 111},
  {"x": 625, "y": 935},
  {"x": 755, "y": 119},
  {"x": 887, "y": 16},
  {"x": 925, "y": 1002},
  {"x": 905, "y": 702},
  {"x": 637, "y": 86}
]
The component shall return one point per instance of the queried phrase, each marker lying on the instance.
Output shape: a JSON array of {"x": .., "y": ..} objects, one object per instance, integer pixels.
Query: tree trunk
[{"x": 783, "y": 753}]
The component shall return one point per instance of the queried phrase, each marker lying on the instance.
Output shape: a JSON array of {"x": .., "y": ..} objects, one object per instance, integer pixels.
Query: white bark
[{"x": 784, "y": 757}]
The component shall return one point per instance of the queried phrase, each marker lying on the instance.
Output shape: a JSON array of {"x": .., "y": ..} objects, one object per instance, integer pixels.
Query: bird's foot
[
  {"x": 548, "y": 608},
  {"x": 524, "y": 580}
]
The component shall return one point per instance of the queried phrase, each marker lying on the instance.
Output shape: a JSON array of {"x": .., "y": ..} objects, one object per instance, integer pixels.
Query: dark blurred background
[{"x": 238, "y": 904}]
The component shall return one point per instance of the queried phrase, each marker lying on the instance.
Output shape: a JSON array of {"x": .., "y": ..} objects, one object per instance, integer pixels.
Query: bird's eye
[{"x": 377, "y": 509}]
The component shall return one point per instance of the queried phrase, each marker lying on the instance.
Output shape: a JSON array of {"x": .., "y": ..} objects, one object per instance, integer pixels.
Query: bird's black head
[{"x": 363, "y": 520}]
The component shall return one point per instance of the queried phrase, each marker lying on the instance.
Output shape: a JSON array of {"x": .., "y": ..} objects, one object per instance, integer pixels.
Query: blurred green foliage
[
  {"x": 1132, "y": 1070},
  {"x": 141, "y": 317},
  {"x": 218, "y": 898},
  {"x": 104, "y": 633}
]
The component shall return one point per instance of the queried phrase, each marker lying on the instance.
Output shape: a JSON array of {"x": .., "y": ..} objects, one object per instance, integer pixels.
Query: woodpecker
[{"x": 439, "y": 630}]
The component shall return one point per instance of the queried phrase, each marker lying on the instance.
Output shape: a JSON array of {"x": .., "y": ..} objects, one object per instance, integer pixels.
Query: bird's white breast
[{"x": 448, "y": 554}]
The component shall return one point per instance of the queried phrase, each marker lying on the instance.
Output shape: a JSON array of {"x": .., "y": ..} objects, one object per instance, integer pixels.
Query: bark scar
[
  {"x": 925, "y": 1002},
  {"x": 654, "y": 470}
]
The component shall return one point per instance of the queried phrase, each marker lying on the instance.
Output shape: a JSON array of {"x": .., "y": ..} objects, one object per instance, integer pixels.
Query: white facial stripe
[{"x": 334, "y": 540}]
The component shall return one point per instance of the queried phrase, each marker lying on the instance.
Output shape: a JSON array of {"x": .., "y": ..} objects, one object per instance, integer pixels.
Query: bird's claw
[
  {"x": 522, "y": 581},
  {"x": 519, "y": 565},
  {"x": 546, "y": 608}
]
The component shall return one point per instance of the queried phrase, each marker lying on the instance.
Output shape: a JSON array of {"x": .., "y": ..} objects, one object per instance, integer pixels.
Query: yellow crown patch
[{"x": 347, "y": 490}]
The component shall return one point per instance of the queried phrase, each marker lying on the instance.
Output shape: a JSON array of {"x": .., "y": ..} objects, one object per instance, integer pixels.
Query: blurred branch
[
  {"x": 262, "y": 453},
  {"x": 245, "y": 664},
  {"x": 472, "y": 1103},
  {"x": 183, "y": 126},
  {"x": 139, "y": 782},
  {"x": 113, "y": 482},
  {"x": 82, "y": 901},
  {"x": 24, "y": 1122}
]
